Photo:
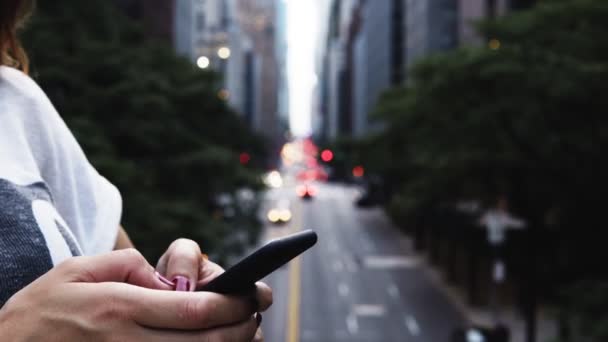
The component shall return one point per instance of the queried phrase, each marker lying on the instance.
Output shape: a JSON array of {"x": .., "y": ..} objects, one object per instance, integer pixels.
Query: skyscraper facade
[
  {"x": 370, "y": 45},
  {"x": 431, "y": 26}
]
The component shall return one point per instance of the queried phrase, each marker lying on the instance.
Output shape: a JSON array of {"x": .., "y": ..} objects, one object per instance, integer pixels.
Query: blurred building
[
  {"x": 183, "y": 31},
  {"x": 240, "y": 40},
  {"x": 201, "y": 30},
  {"x": 363, "y": 56},
  {"x": 368, "y": 46},
  {"x": 243, "y": 40},
  {"x": 336, "y": 70},
  {"x": 431, "y": 26},
  {"x": 281, "y": 55},
  {"x": 256, "y": 20},
  {"x": 378, "y": 57}
]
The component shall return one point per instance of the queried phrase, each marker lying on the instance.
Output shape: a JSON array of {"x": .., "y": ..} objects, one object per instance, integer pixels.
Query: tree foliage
[
  {"x": 149, "y": 121},
  {"x": 525, "y": 120}
]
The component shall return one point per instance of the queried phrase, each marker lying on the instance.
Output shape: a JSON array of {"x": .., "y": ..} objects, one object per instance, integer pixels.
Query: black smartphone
[{"x": 242, "y": 277}]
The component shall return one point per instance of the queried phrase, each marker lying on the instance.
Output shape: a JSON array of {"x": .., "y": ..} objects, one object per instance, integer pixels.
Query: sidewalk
[{"x": 546, "y": 329}]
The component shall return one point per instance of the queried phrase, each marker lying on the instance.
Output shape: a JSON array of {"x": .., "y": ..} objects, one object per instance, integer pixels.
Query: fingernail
[
  {"x": 181, "y": 284},
  {"x": 164, "y": 280},
  {"x": 258, "y": 318}
]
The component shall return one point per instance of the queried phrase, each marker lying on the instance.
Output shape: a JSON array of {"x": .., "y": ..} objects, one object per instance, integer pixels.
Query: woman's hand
[
  {"x": 119, "y": 297},
  {"x": 185, "y": 266}
]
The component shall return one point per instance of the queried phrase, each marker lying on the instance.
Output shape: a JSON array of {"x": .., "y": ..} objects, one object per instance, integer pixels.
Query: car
[
  {"x": 306, "y": 191},
  {"x": 279, "y": 213}
]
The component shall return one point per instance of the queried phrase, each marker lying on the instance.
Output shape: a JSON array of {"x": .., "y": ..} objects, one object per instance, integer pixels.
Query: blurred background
[{"x": 447, "y": 152}]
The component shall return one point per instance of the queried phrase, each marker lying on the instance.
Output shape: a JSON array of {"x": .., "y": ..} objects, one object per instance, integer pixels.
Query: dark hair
[{"x": 12, "y": 16}]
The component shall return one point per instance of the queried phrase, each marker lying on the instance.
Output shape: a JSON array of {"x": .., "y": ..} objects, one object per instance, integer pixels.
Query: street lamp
[
  {"x": 203, "y": 62},
  {"x": 224, "y": 52}
]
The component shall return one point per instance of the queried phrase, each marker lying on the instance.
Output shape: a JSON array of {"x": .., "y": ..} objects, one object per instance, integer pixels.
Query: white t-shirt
[{"x": 53, "y": 203}]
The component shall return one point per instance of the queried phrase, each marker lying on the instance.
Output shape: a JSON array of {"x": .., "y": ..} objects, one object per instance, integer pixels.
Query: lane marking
[
  {"x": 293, "y": 322},
  {"x": 293, "y": 329},
  {"x": 343, "y": 290},
  {"x": 369, "y": 310},
  {"x": 352, "y": 325},
  {"x": 412, "y": 325},
  {"x": 393, "y": 291},
  {"x": 390, "y": 261}
]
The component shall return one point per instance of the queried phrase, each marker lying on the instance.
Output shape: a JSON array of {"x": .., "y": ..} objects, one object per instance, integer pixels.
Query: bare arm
[{"x": 122, "y": 240}]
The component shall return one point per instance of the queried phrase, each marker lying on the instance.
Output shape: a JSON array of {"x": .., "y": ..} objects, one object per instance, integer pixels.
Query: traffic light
[
  {"x": 358, "y": 171},
  {"x": 244, "y": 158},
  {"x": 327, "y": 156}
]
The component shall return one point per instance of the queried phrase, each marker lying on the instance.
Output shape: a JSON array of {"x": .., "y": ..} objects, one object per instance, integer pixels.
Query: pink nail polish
[
  {"x": 181, "y": 284},
  {"x": 164, "y": 280}
]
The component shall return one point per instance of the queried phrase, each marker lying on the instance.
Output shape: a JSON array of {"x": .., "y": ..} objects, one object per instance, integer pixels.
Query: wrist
[{"x": 7, "y": 327}]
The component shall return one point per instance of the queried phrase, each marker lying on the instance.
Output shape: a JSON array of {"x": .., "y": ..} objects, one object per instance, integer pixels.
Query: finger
[
  {"x": 183, "y": 264},
  {"x": 208, "y": 271},
  {"x": 161, "y": 265},
  {"x": 182, "y": 310},
  {"x": 124, "y": 266},
  {"x": 243, "y": 331},
  {"x": 259, "y": 336},
  {"x": 263, "y": 296}
]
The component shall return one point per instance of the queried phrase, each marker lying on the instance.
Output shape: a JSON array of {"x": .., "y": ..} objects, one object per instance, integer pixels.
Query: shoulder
[
  {"x": 16, "y": 85},
  {"x": 23, "y": 102},
  {"x": 31, "y": 130}
]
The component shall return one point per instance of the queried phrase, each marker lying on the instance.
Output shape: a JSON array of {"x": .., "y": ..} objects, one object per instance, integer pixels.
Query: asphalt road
[{"x": 361, "y": 281}]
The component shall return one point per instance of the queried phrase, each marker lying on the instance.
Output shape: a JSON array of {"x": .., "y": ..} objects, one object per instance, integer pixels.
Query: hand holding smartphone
[{"x": 242, "y": 277}]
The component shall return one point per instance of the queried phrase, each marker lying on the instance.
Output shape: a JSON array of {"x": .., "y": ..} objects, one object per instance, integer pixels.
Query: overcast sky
[{"x": 302, "y": 32}]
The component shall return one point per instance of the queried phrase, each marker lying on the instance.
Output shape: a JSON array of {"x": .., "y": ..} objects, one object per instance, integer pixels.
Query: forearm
[{"x": 122, "y": 240}]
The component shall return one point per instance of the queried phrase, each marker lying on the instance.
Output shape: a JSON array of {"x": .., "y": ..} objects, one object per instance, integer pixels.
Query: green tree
[
  {"x": 524, "y": 118},
  {"x": 150, "y": 122}
]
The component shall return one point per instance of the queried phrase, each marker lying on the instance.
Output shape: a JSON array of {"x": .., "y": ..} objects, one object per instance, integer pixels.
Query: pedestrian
[{"x": 60, "y": 279}]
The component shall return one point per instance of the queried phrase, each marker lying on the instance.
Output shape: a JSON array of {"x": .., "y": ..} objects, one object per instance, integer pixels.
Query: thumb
[{"x": 122, "y": 266}]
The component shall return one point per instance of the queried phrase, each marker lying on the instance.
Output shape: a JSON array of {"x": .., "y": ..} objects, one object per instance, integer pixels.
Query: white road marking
[
  {"x": 412, "y": 325},
  {"x": 351, "y": 324},
  {"x": 369, "y": 310},
  {"x": 343, "y": 290},
  {"x": 393, "y": 291},
  {"x": 391, "y": 261}
]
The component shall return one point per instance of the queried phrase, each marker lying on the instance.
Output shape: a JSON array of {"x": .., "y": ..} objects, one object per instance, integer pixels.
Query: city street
[
  {"x": 447, "y": 153},
  {"x": 359, "y": 283}
]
